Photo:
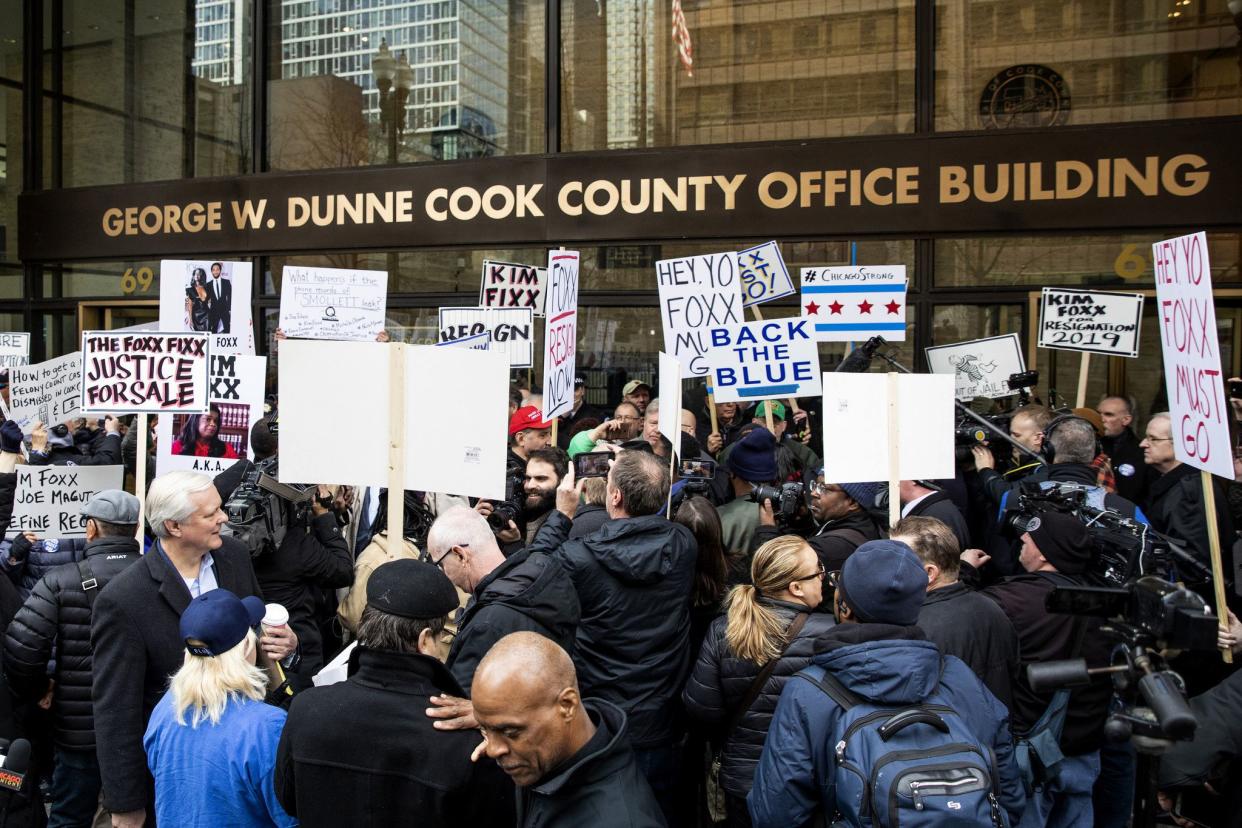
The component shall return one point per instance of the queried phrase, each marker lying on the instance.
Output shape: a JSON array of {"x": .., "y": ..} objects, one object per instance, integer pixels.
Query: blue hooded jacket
[{"x": 888, "y": 665}]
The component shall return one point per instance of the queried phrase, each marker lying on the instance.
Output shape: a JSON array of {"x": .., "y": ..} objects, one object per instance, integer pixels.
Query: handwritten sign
[
  {"x": 512, "y": 330},
  {"x": 981, "y": 367},
  {"x": 560, "y": 333},
  {"x": 50, "y": 392},
  {"x": 764, "y": 275},
  {"x": 149, "y": 373},
  {"x": 14, "y": 349},
  {"x": 844, "y": 304},
  {"x": 1092, "y": 321},
  {"x": 209, "y": 296},
  {"x": 1188, "y": 340},
  {"x": 210, "y": 443},
  {"x": 697, "y": 293},
  {"x": 478, "y": 342},
  {"x": 763, "y": 360},
  {"x": 510, "y": 285},
  {"x": 333, "y": 303},
  {"x": 49, "y": 499}
]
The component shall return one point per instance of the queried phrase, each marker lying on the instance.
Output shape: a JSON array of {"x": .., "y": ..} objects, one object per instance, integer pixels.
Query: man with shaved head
[{"x": 568, "y": 756}]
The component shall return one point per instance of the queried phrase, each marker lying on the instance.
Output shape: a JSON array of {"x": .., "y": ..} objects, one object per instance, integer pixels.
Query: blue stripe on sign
[
  {"x": 767, "y": 391},
  {"x": 862, "y": 326},
  {"x": 853, "y": 288}
]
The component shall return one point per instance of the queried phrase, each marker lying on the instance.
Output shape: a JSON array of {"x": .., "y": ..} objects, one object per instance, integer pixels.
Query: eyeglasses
[
  {"x": 833, "y": 578},
  {"x": 819, "y": 489},
  {"x": 1151, "y": 439},
  {"x": 625, "y": 418},
  {"x": 819, "y": 573},
  {"x": 439, "y": 564}
]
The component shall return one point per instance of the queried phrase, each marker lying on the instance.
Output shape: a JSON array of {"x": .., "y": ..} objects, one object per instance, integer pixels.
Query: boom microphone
[
  {"x": 16, "y": 763},
  {"x": 859, "y": 359}
]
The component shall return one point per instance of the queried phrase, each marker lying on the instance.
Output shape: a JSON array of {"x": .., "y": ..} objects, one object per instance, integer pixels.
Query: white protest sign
[
  {"x": 764, "y": 275},
  {"x": 49, "y": 499},
  {"x": 332, "y": 303},
  {"x": 670, "y": 400},
  {"x": 147, "y": 373},
  {"x": 1189, "y": 342},
  {"x": 1094, "y": 322},
  {"x": 210, "y": 443},
  {"x": 512, "y": 330},
  {"x": 50, "y": 392},
  {"x": 560, "y": 333},
  {"x": 697, "y": 293},
  {"x": 981, "y": 366},
  {"x": 856, "y": 437},
  {"x": 511, "y": 285},
  {"x": 851, "y": 303},
  {"x": 764, "y": 360},
  {"x": 478, "y": 342},
  {"x": 208, "y": 296},
  {"x": 14, "y": 349}
]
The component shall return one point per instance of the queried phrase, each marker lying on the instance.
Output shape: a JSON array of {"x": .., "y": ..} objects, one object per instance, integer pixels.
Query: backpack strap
[
  {"x": 832, "y": 687},
  {"x": 90, "y": 584}
]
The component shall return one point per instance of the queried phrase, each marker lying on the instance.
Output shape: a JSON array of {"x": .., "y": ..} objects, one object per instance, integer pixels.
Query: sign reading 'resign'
[
  {"x": 560, "y": 333},
  {"x": 1091, "y": 321}
]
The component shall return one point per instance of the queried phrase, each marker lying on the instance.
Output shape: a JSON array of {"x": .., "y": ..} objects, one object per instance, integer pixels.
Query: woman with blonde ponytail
[{"x": 764, "y": 638}]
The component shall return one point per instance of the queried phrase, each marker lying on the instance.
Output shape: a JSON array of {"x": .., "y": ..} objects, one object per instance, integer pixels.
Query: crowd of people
[{"x": 713, "y": 632}]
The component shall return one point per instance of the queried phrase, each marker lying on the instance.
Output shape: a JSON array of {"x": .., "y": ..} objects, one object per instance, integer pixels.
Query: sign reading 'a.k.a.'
[
  {"x": 764, "y": 359},
  {"x": 844, "y": 304},
  {"x": 151, "y": 373},
  {"x": 1091, "y": 321}
]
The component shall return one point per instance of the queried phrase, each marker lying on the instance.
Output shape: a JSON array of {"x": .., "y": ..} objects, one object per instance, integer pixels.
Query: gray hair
[
  {"x": 458, "y": 526},
  {"x": 642, "y": 479},
  {"x": 169, "y": 498},
  {"x": 1073, "y": 440}
]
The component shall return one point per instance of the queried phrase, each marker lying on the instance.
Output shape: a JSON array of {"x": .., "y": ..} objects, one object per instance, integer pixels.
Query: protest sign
[
  {"x": 14, "y": 349},
  {"x": 512, "y": 330},
  {"x": 332, "y": 303},
  {"x": 50, "y": 392},
  {"x": 857, "y": 441},
  {"x": 1192, "y": 367},
  {"x": 560, "y": 333},
  {"x": 478, "y": 342},
  {"x": 148, "y": 373},
  {"x": 236, "y": 391},
  {"x": 764, "y": 275},
  {"x": 981, "y": 366},
  {"x": 764, "y": 360},
  {"x": 213, "y": 297},
  {"x": 510, "y": 285},
  {"x": 49, "y": 499},
  {"x": 670, "y": 400},
  {"x": 1090, "y": 321},
  {"x": 697, "y": 293},
  {"x": 851, "y": 303}
]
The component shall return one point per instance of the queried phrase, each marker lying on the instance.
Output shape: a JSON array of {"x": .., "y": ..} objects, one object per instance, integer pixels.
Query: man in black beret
[{"x": 361, "y": 752}]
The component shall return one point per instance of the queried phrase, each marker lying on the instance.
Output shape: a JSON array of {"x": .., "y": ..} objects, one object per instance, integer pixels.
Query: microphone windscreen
[{"x": 18, "y": 758}]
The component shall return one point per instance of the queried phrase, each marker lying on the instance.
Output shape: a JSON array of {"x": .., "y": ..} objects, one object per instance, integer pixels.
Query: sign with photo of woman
[
  {"x": 213, "y": 441},
  {"x": 209, "y": 296}
]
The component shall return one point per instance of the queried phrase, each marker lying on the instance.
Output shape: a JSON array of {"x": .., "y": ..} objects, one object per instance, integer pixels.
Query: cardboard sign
[
  {"x": 49, "y": 499},
  {"x": 1091, "y": 321},
  {"x": 1189, "y": 341},
  {"x": 856, "y": 436},
  {"x": 764, "y": 275},
  {"x": 512, "y": 330},
  {"x": 14, "y": 349},
  {"x": 845, "y": 304},
  {"x": 478, "y": 342},
  {"x": 670, "y": 400},
  {"x": 236, "y": 391},
  {"x": 333, "y": 303},
  {"x": 763, "y": 360},
  {"x": 511, "y": 285},
  {"x": 50, "y": 392},
  {"x": 209, "y": 296},
  {"x": 560, "y": 334},
  {"x": 697, "y": 293},
  {"x": 148, "y": 373},
  {"x": 981, "y": 367}
]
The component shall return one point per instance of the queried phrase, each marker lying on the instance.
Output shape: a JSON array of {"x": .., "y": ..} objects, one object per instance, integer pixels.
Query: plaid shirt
[{"x": 1104, "y": 473}]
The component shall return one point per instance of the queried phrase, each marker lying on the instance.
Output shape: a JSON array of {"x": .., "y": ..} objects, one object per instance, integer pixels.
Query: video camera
[
  {"x": 968, "y": 432},
  {"x": 256, "y": 514}
]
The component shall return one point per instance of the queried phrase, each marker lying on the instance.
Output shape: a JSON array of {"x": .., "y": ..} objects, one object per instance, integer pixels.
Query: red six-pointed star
[
  {"x": 864, "y": 306},
  {"x": 835, "y": 307},
  {"x": 812, "y": 308},
  {"x": 893, "y": 307}
]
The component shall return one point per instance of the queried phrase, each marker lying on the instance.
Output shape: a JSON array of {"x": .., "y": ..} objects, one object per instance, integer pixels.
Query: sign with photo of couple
[{"x": 208, "y": 296}]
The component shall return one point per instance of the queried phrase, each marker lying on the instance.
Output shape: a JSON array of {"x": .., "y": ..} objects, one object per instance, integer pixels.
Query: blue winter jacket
[{"x": 888, "y": 665}]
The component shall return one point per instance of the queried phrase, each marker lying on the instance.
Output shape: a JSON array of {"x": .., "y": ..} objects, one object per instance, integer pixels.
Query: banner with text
[
  {"x": 560, "y": 333},
  {"x": 151, "y": 373},
  {"x": 845, "y": 304},
  {"x": 764, "y": 275},
  {"x": 764, "y": 360},
  {"x": 477, "y": 342},
  {"x": 697, "y": 293},
  {"x": 14, "y": 350},
  {"x": 1090, "y": 321},
  {"x": 981, "y": 367},
  {"x": 50, "y": 392},
  {"x": 213, "y": 297},
  {"x": 510, "y": 285},
  {"x": 211, "y": 442},
  {"x": 512, "y": 330},
  {"x": 1192, "y": 368},
  {"x": 332, "y": 303},
  {"x": 49, "y": 499}
]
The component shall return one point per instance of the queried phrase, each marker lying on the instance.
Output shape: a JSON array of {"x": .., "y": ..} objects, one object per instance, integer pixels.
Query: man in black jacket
[
  {"x": 57, "y": 615},
  {"x": 355, "y": 753},
  {"x": 569, "y": 757},
  {"x": 135, "y": 629},
  {"x": 843, "y": 522},
  {"x": 920, "y": 498},
  {"x": 1131, "y": 475}
]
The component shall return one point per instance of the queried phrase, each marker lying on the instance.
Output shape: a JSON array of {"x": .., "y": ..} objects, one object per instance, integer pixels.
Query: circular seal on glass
[{"x": 1028, "y": 95}]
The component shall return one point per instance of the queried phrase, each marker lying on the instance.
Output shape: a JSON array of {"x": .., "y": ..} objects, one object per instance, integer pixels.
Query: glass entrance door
[{"x": 110, "y": 315}]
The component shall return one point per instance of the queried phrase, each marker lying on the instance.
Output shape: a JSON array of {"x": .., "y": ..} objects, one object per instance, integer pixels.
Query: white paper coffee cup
[{"x": 275, "y": 616}]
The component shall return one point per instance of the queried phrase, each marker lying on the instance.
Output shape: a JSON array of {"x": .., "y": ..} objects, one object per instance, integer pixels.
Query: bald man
[{"x": 569, "y": 757}]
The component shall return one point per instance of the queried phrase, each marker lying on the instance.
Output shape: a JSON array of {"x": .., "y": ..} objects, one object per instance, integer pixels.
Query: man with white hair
[{"x": 136, "y": 622}]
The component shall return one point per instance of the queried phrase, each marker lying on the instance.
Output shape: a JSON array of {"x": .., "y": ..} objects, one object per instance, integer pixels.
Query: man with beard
[{"x": 544, "y": 470}]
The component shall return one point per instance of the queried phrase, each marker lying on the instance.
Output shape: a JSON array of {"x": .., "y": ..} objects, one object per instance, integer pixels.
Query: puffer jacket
[
  {"x": 720, "y": 681},
  {"x": 58, "y": 613},
  {"x": 633, "y": 577},
  {"x": 28, "y": 570}
]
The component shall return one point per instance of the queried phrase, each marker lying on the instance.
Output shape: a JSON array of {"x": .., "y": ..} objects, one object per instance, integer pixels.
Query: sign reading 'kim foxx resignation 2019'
[
  {"x": 764, "y": 359},
  {"x": 849, "y": 303},
  {"x": 148, "y": 373}
]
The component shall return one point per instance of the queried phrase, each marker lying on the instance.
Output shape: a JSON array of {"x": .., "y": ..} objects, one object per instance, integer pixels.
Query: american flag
[{"x": 681, "y": 36}]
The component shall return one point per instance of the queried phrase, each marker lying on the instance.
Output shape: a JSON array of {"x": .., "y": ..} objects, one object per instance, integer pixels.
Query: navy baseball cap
[
  {"x": 884, "y": 582},
  {"x": 217, "y": 621}
]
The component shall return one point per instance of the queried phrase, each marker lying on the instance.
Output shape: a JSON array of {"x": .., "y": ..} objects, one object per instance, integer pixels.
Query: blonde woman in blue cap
[{"x": 211, "y": 742}]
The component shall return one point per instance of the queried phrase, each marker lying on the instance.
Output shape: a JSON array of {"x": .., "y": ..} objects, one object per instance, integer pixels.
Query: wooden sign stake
[
  {"x": 894, "y": 459},
  {"x": 1083, "y": 368},
  {"x": 1218, "y": 570},
  {"x": 140, "y": 476},
  {"x": 396, "y": 445}
]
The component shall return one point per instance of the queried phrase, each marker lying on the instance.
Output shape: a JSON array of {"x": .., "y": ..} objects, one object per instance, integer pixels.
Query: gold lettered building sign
[{"x": 1181, "y": 173}]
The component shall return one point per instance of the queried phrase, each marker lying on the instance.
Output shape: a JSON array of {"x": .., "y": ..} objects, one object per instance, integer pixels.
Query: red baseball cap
[{"x": 526, "y": 417}]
